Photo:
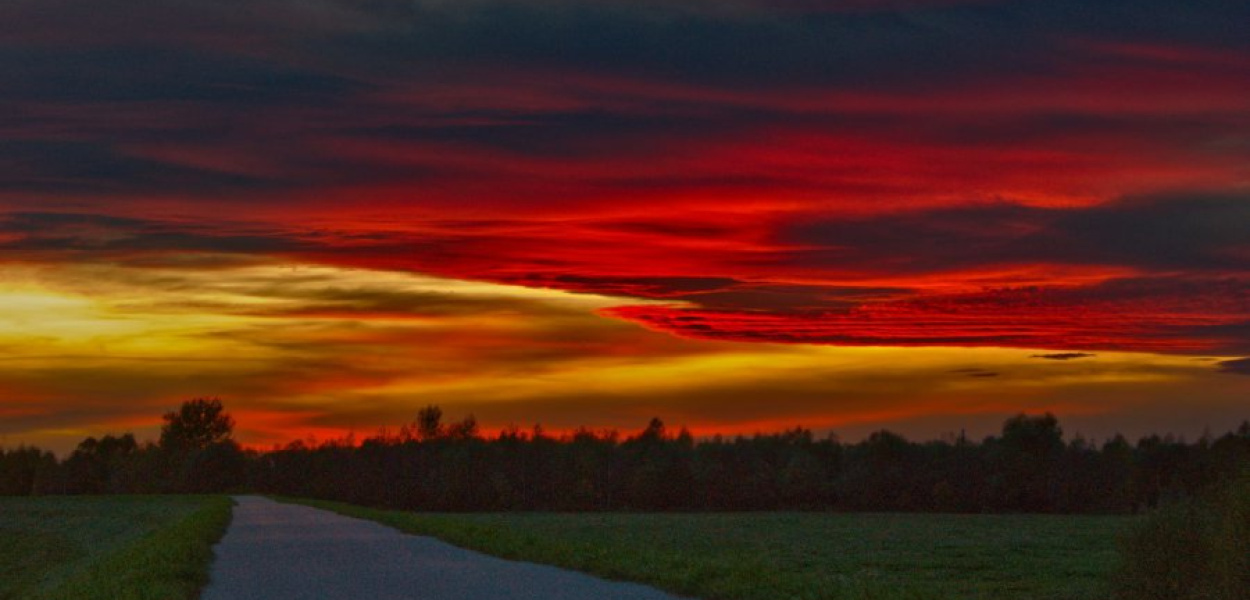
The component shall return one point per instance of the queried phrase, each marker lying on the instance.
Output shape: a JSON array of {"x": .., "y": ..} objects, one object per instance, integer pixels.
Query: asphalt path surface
[{"x": 288, "y": 552}]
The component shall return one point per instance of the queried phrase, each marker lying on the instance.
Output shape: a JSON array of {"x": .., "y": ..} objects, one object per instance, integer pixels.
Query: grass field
[
  {"x": 779, "y": 556},
  {"x": 118, "y": 547}
]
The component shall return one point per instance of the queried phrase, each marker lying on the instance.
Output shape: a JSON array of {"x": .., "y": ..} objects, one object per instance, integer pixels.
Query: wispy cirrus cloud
[
  {"x": 1064, "y": 355},
  {"x": 880, "y": 273}
]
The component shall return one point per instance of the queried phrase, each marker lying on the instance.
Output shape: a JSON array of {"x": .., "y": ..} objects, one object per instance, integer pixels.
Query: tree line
[
  {"x": 432, "y": 465},
  {"x": 196, "y": 453}
]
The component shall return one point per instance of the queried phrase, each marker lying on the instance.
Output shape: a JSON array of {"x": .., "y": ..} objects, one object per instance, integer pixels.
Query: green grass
[
  {"x": 780, "y": 556},
  {"x": 115, "y": 547}
]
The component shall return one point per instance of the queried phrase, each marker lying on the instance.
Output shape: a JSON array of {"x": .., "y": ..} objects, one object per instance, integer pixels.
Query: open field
[
  {"x": 809, "y": 556},
  {"x": 118, "y": 547}
]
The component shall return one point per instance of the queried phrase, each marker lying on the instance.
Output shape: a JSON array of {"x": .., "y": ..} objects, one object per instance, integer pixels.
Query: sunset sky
[{"x": 736, "y": 215}]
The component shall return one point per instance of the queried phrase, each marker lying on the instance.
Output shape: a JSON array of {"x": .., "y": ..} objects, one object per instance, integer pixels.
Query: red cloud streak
[{"x": 1011, "y": 318}]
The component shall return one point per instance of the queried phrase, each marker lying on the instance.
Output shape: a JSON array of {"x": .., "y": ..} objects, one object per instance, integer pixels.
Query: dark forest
[{"x": 437, "y": 466}]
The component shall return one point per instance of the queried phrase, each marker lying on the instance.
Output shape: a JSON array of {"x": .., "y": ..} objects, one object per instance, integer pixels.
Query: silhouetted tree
[
  {"x": 1028, "y": 461},
  {"x": 197, "y": 453},
  {"x": 463, "y": 430},
  {"x": 430, "y": 423},
  {"x": 218, "y": 467},
  {"x": 93, "y": 467},
  {"x": 27, "y": 470},
  {"x": 197, "y": 424}
]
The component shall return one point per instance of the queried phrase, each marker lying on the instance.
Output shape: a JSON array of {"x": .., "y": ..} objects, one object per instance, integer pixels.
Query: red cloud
[{"x": 1026, "y": 318}]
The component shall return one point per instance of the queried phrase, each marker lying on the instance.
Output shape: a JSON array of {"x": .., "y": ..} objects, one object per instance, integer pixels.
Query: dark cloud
[
  {"x": 89, "y": 168},
  {"x": 1240, "y": 366},
  {"x": 109, "y": 237},
  {"x": 1064, "y": 355},
  {"x": 976, "y": 372},
  {"x": 1197, "y": 231},
  {"x": 906, "y": 45},
  {"x": 1191, "y": 231},
  {"x": 285, "y": 82},
  {"x": 159, "y": 74}
]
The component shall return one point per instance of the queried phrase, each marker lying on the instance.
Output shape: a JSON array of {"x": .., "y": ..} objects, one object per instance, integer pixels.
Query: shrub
[{"x": 1197, "y": 549}]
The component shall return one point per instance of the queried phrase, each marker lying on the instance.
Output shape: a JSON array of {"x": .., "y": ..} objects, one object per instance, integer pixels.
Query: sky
[{"x": 735, "y": 215}]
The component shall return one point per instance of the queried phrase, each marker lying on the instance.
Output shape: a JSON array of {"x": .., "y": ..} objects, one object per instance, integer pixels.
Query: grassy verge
[
  {"x": 121, "y": 548},
  {"x": 804, "y": 556}
]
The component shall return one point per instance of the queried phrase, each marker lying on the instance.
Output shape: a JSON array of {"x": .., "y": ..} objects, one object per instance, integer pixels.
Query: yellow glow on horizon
[
  {"x": 115, "y": 312},
  {"x": 324, "y": 349},
  {"x": 752, "y": 362}
]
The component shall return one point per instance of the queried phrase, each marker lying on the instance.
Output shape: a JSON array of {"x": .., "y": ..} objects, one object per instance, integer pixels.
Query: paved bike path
[{"x": 292, "y": 552}]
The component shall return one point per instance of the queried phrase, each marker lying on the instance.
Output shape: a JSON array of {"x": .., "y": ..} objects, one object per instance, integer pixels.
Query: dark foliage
[
  {"x": 1029, "y": 468},
  {"x": 196, "y": 425},
  {"x": 96, "y": 466},
  {"x": 1192, "y": 549},
  {"x": 25, "y": 471},
  {"x": 432, "y": 465},
  {"x": 195, "y": 455}
]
